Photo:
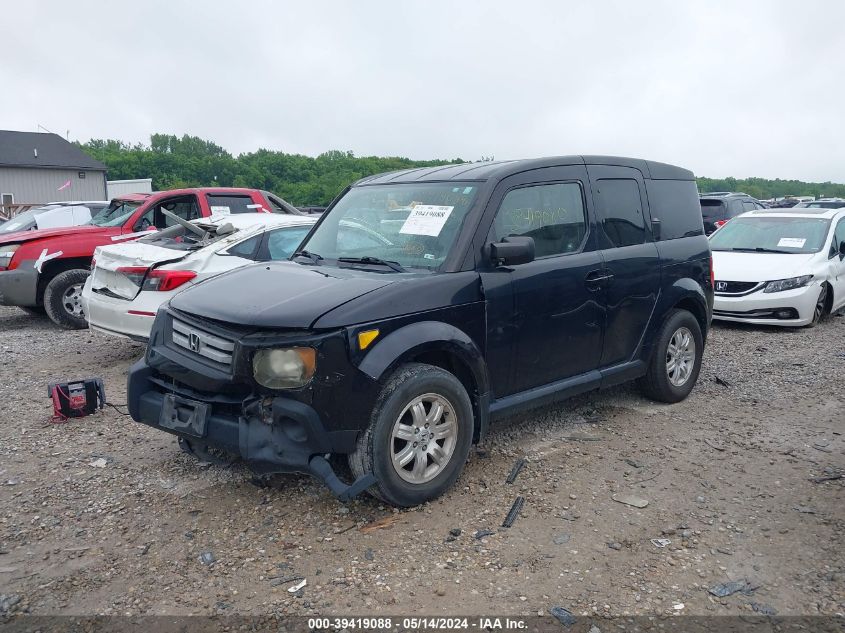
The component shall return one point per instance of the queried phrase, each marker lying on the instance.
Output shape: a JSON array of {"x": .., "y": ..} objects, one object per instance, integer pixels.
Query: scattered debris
[
  {"x": 713, "y": 445},
  {"x": 678, "y": 606},
  {"x": 369, "y": 554},
  {"x": 570, "y": 516},
  {"x": 818, "y": 480},
  {"x": 721, "y": 381},
  {"x": 207, "y": 558},
  {"x": 143, "y": 549},
  {"x": 615, "y": 545},
  {"x": 455, "y": 532},
  {"x": 283, "y": 580},
  {"x": 633, "y": 463},
  {"x": 560, "y": 539},
  {"x": 440, "y": 591},
  {"x": 728, "y": 588},
  {"x": 379, "y": 524},
  {"x": 7, "y": 602},
  {"x": 594, "y": 629},
  {"x": 297, "y": 586},
  {"x": 563, "y": 616},
  {"x": 805, "y": 509},
  {"x": 516, "y": 508},
  {"x": 100, "y": 462},
  {"x": 762, "y": 609},
  {"x": 630, "y": 500},
  {"x": 661, "y": 542},
  {"x": 517, "y": 467},
  {"x": 483, "y": 533},
  {"x": 582, "y": 437}
]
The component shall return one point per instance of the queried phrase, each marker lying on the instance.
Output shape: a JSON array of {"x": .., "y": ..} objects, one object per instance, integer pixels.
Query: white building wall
[
  {"x": 122, "y": 187},
  {"x": 41, "y": 184}
]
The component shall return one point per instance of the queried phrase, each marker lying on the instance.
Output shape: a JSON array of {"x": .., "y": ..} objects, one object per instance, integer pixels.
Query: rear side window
[
  {"x": 245, "y": 249},
  {"x": 621, "y": 211},
  {"x": 675, "y": 204},
  {"x": 281, "y": 244},
  {"x": 553, "y": 215},
  {"x": 232, "y": 204}
]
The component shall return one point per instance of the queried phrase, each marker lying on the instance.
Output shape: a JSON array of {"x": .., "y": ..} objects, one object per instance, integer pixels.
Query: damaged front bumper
[
  {"x": 209, "y": 403},
  {"x": 273, "y": 435}
]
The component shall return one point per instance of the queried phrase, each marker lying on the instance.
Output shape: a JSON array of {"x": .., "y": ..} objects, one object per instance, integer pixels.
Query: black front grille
[{"x": 735, "y": 287}]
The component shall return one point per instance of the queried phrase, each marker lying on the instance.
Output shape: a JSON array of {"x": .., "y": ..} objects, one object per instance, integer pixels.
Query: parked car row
[
  {"x": 423, "y": 305},
  {"x": 45, "y": 269}
]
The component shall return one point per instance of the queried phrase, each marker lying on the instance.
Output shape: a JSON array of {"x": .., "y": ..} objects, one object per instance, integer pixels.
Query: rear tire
[
  {"x": 419, "y": 436},
  {"x": 676, "y": 361},
  {"x": 63, "y": 299}
]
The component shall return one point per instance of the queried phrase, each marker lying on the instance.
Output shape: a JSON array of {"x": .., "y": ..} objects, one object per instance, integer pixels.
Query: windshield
[
  {"x": 768, "y": 234},
  {"x": 413, "y": 225},
  {"x": 115, "y": 214}
]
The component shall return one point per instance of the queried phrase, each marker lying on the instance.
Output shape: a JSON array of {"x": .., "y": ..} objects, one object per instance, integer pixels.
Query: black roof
[
  {"x": 18, "y": 149},
  {"x": 501, "y": 169}
]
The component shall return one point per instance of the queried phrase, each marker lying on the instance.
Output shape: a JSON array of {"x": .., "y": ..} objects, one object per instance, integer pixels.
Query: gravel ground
[{"x": 105, "y": 516}]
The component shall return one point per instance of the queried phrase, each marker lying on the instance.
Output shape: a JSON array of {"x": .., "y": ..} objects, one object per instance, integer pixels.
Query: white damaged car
[
  {"x": 780, "y": 266},
  {"x": 129, "y": 282}
]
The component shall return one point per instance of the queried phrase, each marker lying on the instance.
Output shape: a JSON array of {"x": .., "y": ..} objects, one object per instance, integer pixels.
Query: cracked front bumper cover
[{"x": 287, "y": 436}]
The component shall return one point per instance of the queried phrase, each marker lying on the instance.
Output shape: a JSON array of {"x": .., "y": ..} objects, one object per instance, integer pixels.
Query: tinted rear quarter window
[
  {"x": 232, "y": 204},
  {"x": 675, "y": 203},
  {"x": 620, "y": 211}
]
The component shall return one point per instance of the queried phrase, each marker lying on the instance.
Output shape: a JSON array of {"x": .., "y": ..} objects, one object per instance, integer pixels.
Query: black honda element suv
[{"x": 426, "y": 304}]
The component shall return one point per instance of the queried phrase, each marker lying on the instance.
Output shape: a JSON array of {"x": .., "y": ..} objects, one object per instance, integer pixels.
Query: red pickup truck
[{"x": 46, "y": 269}]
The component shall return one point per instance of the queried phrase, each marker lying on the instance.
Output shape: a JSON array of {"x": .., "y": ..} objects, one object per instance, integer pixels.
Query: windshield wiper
[
  {"x": 760, "y": 249},
  {"x": 394, "y": 266},
  {"x": 314, "y": 257}
]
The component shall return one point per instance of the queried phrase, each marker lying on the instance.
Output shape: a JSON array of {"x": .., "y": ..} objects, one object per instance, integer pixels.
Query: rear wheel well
[
  {"x": 694, "y": 307},
  {"x": 457, "y": 367},
  {"x": 55, "y": 267}
]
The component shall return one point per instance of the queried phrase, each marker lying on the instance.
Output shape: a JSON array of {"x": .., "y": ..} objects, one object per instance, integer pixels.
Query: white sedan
[
  {"x": 780, "y": 266},
  {"x": 130, "y": 281}
]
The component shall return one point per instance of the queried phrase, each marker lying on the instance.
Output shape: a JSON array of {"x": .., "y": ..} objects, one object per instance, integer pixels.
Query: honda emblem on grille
[
  {"x": 194, "y": 342},
  {"x": 720, "y": 285}
]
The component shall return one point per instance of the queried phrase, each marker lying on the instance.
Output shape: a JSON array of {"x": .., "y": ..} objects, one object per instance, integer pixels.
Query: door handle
[{"x": 597, "y": 279}]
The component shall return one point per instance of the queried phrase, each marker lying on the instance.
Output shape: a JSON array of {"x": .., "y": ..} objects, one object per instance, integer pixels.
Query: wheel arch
[
  {"x": 54, "y": 267},
  {"x": 441, "y": 345}
]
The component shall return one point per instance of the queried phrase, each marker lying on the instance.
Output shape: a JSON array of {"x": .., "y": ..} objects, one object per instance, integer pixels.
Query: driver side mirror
[
  {"x": 512, "y": 250},
  {"x": 842, "y": 250}
]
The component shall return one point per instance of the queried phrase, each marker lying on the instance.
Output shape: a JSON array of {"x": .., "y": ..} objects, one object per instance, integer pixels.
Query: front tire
[
  {"x": 63, "y": 299},
  {"x": 821, "y": 308},
  {"x": 418, "y": 438},
  {"x": 676, "y": 361}
]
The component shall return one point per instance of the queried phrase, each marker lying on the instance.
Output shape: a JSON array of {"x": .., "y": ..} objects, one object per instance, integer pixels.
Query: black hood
[{"x": 277, "y": 294}]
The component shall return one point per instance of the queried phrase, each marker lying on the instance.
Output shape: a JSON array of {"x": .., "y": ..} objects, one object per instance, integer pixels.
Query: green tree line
[{"x": 189, "y": 161}]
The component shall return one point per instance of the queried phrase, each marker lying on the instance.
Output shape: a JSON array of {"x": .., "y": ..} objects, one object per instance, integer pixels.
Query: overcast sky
[{"x": 725, "y": 88}]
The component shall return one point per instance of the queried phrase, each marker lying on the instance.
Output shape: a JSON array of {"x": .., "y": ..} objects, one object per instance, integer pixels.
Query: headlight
[
  {"x": 787, "y": 284},
  {"x": 6, "y": 253},
  {"x": 284, "y": 368}
]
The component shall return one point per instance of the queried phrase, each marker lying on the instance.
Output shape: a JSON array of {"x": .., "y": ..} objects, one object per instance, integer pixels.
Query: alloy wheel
[
  {"x": 72, "y": 301},
  {"x": 423, "y": 438},
  {"x": 680, "y": 356}
]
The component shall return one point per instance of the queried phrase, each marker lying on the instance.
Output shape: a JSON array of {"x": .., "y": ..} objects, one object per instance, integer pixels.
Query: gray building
[{"x": 39, "y": 168}]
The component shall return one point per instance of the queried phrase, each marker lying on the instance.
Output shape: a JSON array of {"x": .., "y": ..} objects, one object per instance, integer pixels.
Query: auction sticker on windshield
[
  {"x": 426, "y": 219},
  {"x": 792, "y": 242}
]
